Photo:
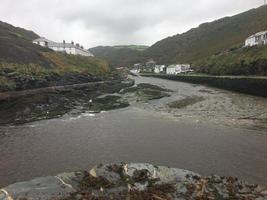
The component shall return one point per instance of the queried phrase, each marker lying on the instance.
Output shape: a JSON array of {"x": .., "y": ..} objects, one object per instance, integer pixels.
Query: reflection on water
[{"x": 140, "y": 133}]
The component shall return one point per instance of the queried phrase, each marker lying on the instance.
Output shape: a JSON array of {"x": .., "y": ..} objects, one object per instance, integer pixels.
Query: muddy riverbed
[{"x": 210, "y": 131}]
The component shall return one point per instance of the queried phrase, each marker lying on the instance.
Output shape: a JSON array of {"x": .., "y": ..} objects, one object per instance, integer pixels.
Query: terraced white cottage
[
  {"x": 69, "y": 48},
  {"x": 159, "y": 69},
  {"x": 178, "y": 69},
  {"x": 259, "y": 38}
]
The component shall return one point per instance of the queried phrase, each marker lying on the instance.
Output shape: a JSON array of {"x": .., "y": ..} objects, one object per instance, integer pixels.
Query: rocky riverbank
[
  {"x": 45, "y": 103},
  {"x": 244, "y": 84},
  {"x": 133, "y": 181},
  {"x": 18, "y": 107},
  {"x": 209, "y": 105}
]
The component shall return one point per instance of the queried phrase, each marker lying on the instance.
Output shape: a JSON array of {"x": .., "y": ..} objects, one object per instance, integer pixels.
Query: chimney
[
  {"x": 64, "y": 42},
  {"x": 72, "y": 42}
]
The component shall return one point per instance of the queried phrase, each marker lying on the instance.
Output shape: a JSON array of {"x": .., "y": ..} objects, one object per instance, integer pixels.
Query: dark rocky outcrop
[{"x": 45, "y": 103}]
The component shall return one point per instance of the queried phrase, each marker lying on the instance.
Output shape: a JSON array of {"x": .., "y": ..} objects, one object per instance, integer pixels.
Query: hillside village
[{"x": 151, "y": 66}]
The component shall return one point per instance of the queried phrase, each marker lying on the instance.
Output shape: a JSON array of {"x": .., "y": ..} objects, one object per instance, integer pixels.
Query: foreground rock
[{"x": 133, "y": 181}]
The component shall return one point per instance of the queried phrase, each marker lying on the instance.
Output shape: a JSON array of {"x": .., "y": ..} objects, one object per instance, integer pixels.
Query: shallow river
[{"x": 208, "y": 138}]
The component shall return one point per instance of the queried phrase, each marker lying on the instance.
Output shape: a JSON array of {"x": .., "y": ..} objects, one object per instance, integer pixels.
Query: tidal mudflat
[{"x": 146, "y": 131}]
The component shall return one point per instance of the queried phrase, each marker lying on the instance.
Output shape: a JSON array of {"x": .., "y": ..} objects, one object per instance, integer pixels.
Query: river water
[{"x": 216, "y": 136}]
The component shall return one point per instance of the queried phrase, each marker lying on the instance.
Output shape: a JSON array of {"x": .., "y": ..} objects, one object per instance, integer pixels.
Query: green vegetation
[
  {"x": 209, "y": 38},
  {"x": 186, "y": 102},
  {"x": 119, "y": 56},
  {"x": 240, "y": 61},
  {"x": 6, "y": 30},
  {"x": 16, "y": 46},
  {"x": 24, "y": 65},
  {"x": 66, "y": 69},
  {"x": 77, "y": 64}
]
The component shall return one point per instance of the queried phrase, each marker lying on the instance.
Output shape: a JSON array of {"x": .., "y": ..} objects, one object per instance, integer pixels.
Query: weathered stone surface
[
  {"x": 139, "y": 181},
  {"x": 44, "y": 188},
  {"x": 72, "y": 179},
  {"x": 3, "y": 196},
  {"x": 106, "y": 173}
]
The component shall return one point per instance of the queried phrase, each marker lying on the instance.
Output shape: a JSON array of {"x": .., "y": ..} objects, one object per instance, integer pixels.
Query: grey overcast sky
[{"x": 113, "y": 22}]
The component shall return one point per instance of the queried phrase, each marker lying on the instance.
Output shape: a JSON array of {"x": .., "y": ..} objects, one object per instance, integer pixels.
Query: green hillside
[
  {"x": 119, "y": 56},
  {"x": 24, "y": 65},
  {"x": 16, "y": 46},
  {"x": 239, "y": 61},
  {"x": 209, "y": 38},
  {"x": 133, "y": 47},
  {"x": 7, "y": 30}
]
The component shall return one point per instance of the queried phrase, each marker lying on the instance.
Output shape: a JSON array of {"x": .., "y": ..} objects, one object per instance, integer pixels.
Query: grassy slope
[
  {"x": 20, "y": 59},
  {"x": 241, "y": 61},
  {"x": 209, "y": 38},
  {"x": 119, "y": 56},
  {"x": 16, "y": 46}
]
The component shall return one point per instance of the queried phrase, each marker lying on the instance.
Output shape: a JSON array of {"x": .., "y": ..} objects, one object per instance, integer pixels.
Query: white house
[
  {"x": 178, "y": 69},
  {"x": 159, "y": 69},
  {"x": 69, "y": 48},
  {"x": 259, "y": 38}
]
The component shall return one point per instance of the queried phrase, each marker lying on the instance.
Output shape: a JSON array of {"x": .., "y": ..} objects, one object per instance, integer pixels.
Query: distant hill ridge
[
  {"x": 16, "y": 45},
  {"x": 209, "y": 38},
  {"x": 17, "y": 31},
  {"x": 194, "y": 45},
  {"x": 121, "y": 56}
]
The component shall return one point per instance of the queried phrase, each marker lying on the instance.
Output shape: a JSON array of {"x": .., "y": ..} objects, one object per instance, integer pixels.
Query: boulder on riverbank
[{"x": 133, "y": 181}]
